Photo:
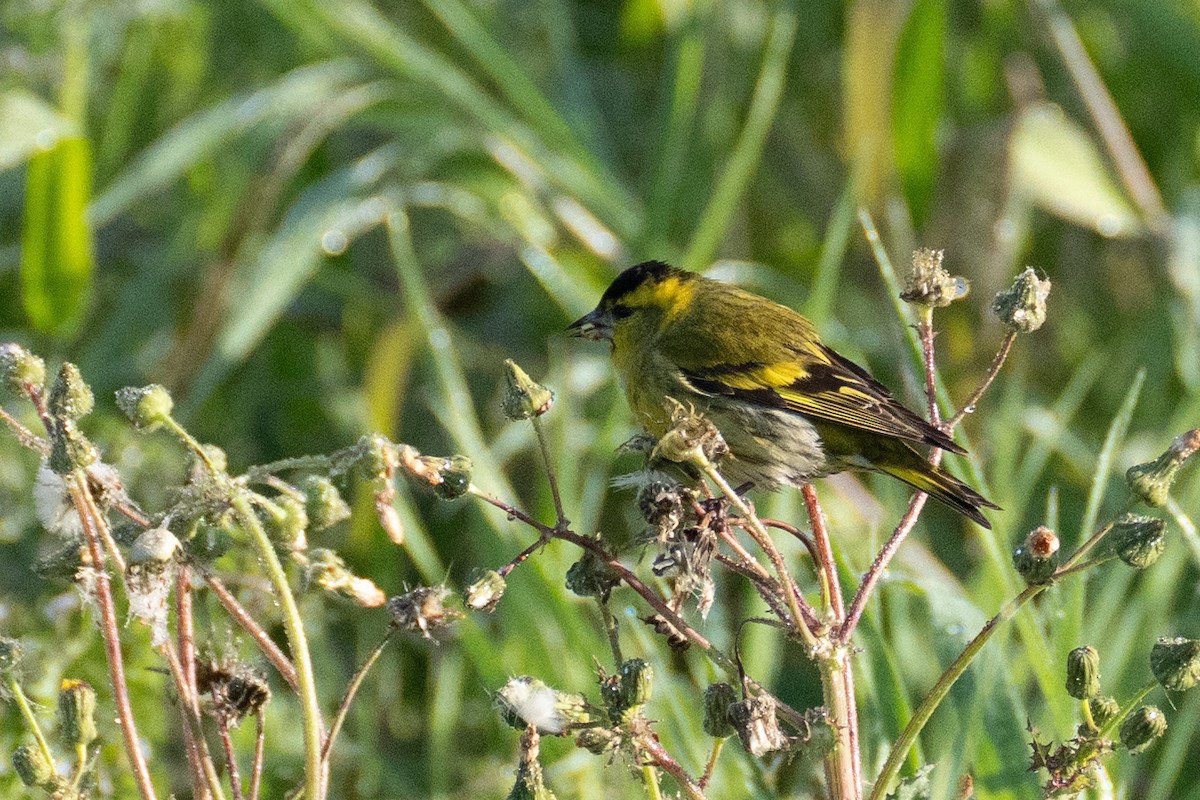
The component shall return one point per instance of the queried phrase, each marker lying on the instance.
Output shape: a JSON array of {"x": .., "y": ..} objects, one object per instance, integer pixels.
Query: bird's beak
[{"x": 596, "y": 326}]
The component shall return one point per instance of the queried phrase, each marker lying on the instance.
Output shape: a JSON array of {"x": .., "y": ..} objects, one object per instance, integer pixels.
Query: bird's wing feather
[{"x": 792, "y": 371}]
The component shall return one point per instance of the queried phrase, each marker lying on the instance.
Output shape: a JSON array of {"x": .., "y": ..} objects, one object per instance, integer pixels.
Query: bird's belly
[{"x": 767, "y": 446}]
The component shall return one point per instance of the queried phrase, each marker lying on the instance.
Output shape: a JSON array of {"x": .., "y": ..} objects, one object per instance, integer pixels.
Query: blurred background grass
[{"x": 202, "y": 195}]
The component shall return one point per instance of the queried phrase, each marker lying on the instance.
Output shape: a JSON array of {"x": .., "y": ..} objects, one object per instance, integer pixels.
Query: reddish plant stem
[
  {"x": 664, "y": 761},
  {"x": 824, "y": 553},
  {"x": 235, "y": 777},
  {"x": 240, "y": 615},
  {"x": 81, "y": 496},
  {"x": 260, "y": 740},
  {"x": 189, "y": 705},
  {"x": 994, "y": 370}
]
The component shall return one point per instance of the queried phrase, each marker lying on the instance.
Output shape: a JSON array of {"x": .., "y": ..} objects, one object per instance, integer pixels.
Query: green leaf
[
  {"x": 28, "y": 125},
  {"x": 56, "y": 246},
  {"x": 297, "y": 95},
  {"x": 1054, "y": 162},
  {"x": 917, "y": 99}
]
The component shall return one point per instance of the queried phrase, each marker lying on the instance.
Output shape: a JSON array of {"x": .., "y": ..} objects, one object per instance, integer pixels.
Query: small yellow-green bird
[{"x": 790, "y": 408}]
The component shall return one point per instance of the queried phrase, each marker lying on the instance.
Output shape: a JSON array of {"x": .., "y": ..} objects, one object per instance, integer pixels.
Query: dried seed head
[
  {"x": 528, "y": 702},
  {"x": 1036, "y": 558},
  {"x": 423, "y": 610},
  {"x": 523, "y": 396},
  {"x": 1176, "y": 663},
  {"x": 717, "y": 700},
  {"x": 485, "y": 591},
  {"x": 20, "y": 368},
  {"x": 1151, "y": 482},
  {"x": 756, "y": 725},
  {"x": 148, "y": 407},
  {"x": 661, "y": 505},
  {"x": 154, "y": 546},
  {"x": 233, "y": 689},
  {"x": 929, "y": 284},
  {"x": 692, "y": 439},
  {"x": 327, "y": 570},
  {"x": 1142, "y": 727},
  {"x": 77, "y": 713},
  {"x": 1023, "y": 307},
  {"x": 1083, "y": 673},
  {"x": 590, "y": 576}
]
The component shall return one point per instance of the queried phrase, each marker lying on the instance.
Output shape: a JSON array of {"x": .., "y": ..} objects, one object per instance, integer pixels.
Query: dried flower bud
[
  {"x": 449, "y": 477},
  {"x": 1036, "y": 558},
  {"x": 1104, "y": 710},
  {"x": 327, "y": 570},
  {"x": 1137, "y": 540},
  {"x": 756, "y": 725},
  {"x": 423, "y": 610},
  {"x": 148, "y": 407},
  {"x": 1023, "y": 307},
  {"x": 692, "y": 439},
  {"x": 155, "y": 546},
  {"x": 717, "y": 700},
  {"x": 31, "y": 766},
  {"x": 323, "y": 503},
  {"x": 1083, "y": 673},
  {"x": 523, "y": 396},
  {"x": 1142, "y": 727},
  {"x": 485, "y": 591},
  {"x": 929, "y": 284},
  {"x": 661, "y": 505},
  {"x": 590, "y": 576},
  {"x": 676, "y": 639},
  {"x": 1176, "y": 663},
  {"x": 389, "y": 517},
  {"x": 1151, "y": 482},
  {"x": 598, "y": 741},
  {"x": 233, "y": 689},
  {"x": 20, "y": 368},
  {"x": 530, "y": 785},
  {"x": 10, "y": 654},
  {"x": 526, "y": 701},
  {"x": 77, "y": 713}
]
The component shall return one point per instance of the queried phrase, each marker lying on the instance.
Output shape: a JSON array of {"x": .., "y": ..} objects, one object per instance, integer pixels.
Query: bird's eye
[{"x": 621, "y": 312}]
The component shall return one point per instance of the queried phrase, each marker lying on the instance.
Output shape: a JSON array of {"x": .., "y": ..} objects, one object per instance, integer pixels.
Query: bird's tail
[{"x": 938, "y": 484}]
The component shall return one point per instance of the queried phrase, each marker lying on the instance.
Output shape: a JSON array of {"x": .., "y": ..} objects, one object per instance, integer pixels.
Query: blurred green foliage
[{"x": 197, "y": 193}]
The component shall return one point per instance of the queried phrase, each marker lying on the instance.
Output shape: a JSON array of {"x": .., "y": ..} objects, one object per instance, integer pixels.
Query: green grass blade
[
  {"x": 56, "y": 257},
  {"x": 747, "y": 152}
]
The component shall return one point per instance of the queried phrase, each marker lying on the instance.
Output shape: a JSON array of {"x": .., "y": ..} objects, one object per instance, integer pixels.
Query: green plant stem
[
  {"x": 306, "y": 686},
  {"x": 712, "y": 763},
  {"x": 841, "y": 775},
  {"x": 933, "y": 699},
  {"x": 191, "y": 442},
  {"x": 1127, "y": 709},
  {"x": 952, "y": 673},
  {"x": 81, "y": 496},
  {"x": 650, "y": 778},
  {"x": 352, "y": 688},
  {"x": 610, "y": 628},
  {"x": 22, "y": 702},
  {"x": 544, "y": 446}
]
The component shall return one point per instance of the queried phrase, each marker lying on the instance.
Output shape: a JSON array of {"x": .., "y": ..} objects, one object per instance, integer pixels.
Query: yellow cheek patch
[
  {"x": 773, "y": 376},
  {"x": 671, "y": 294}
]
